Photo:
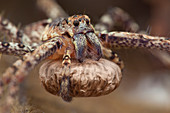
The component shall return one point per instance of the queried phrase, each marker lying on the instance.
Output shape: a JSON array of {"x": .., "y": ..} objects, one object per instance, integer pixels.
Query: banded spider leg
[
  {"x": 64, "y": 88},
  {"x": 31, "y": 33},
  {"x": 134, "y": 40},
  {"x": 115, "y": 17},
  {"x": 51, "y": 8},
  {"x": 21, "y": 67},
  {"x": 22, "y": 44},
  {"x": 13, "y": 32},
  {"x": 34, "y": 32},
  {"x": 118, "y": 17}
]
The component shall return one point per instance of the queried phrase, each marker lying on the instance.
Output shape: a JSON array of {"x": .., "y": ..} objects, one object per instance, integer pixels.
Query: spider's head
[
  {"x": 78, "y": 30},
  {"x": 80, "y": 24},
  {"x": 84, "y": 38}
]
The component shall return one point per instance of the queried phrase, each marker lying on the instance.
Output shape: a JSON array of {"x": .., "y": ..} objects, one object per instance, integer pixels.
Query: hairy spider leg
[
  {"x": 16, "y": 49},
  {"x": 35, "y": 30},
  {"x": 12, "y": 48},
  {"x": 51, "y": 8},
  {"x": 65, "y": 82},
  {"x": 125, "y": 39},
  {"x": 110, "y": 55},
  {"x": 116, "y": 17},
  {"x": 29, "y": 61},
  {"x": 13, "y": 32},
  {"x": 134, "y": 40}
]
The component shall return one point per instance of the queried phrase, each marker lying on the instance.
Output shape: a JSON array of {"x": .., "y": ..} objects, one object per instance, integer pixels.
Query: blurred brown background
[{"x": 145, "y": 84}]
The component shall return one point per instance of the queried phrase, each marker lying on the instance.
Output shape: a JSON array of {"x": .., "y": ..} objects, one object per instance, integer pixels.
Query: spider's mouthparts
[
  {"x": 80, "y": 44},
  {"x": 94, "y": 41}
]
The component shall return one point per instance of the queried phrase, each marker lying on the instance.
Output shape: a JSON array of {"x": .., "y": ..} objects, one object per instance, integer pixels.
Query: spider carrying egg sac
[{"x": 87, "y": 79}]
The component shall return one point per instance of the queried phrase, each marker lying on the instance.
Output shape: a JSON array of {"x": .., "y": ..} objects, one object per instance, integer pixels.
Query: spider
[{"x": 69, "y": 38}]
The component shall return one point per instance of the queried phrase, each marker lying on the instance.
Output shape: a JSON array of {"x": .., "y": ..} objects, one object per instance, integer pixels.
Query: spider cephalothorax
[{"x": 80, "y": 34}]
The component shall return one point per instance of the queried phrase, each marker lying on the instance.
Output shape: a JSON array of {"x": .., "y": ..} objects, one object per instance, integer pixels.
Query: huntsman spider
[{"x": 73, "y": 42}]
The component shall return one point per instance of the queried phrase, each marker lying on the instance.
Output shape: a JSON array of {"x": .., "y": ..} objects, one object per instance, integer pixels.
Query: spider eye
[
  {"x": 87, "y": 21},
  {"x": 80, "y": 20},
  {"x": 76, "y": 23}
]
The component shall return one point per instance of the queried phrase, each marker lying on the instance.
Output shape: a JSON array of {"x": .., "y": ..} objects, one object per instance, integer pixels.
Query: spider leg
[
  {"x": 116, "y": 17},
  {"x": 134, "y": 40},
  {"x": 35, "y": 30},
  {"x": 20, "y": 69},
  {"x": 110, "y": 55},
  {"x": 51, "y": 8},
  {"x": 64, "y": 91},
  {"x": 16, "y": 49},
  {"x": 13, "y": 32},
  {"x": 6, "y": 79}
]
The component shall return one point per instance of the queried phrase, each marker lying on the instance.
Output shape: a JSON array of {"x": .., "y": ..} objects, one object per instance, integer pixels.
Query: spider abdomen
[{"x": 88, "y": 79}]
